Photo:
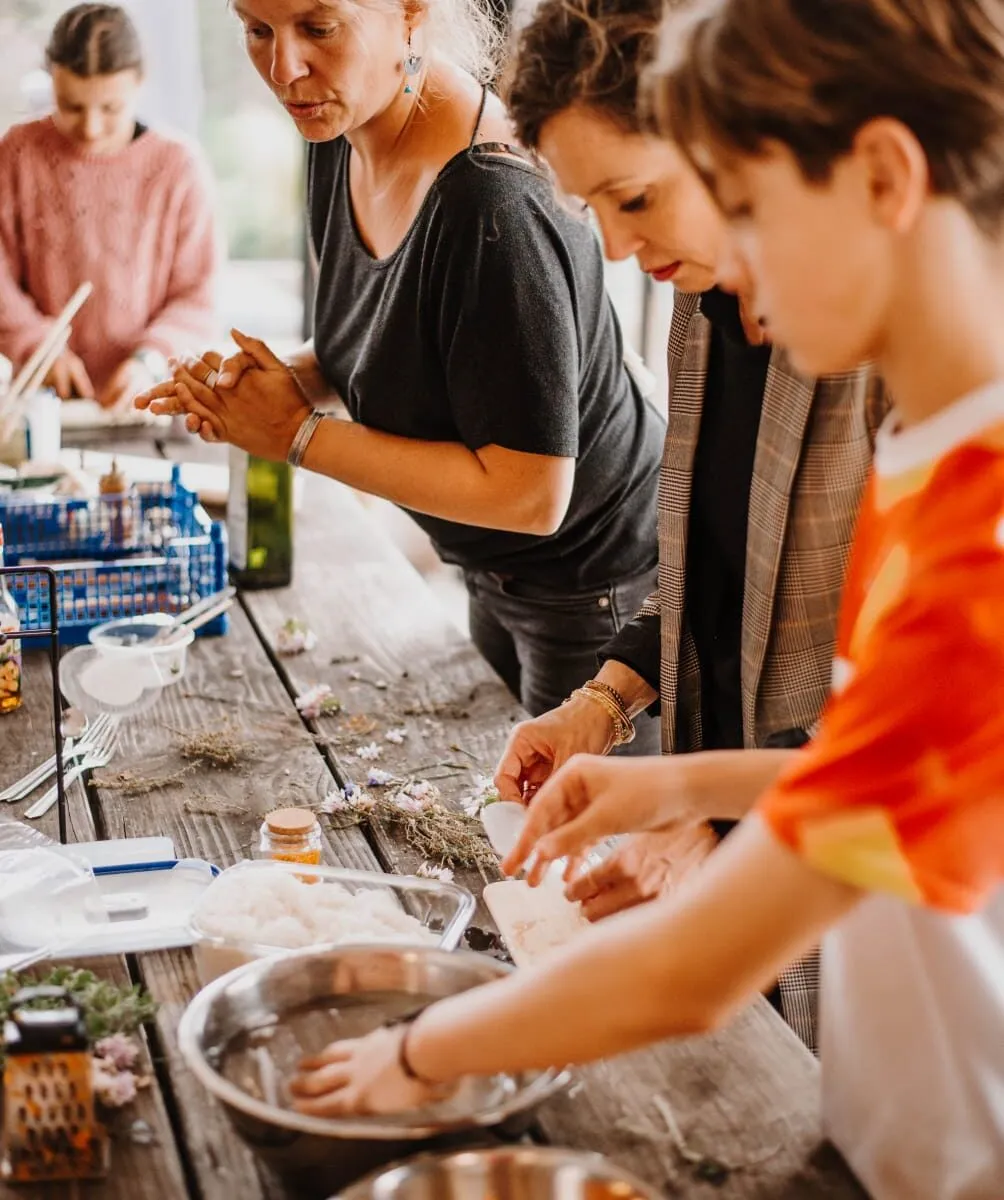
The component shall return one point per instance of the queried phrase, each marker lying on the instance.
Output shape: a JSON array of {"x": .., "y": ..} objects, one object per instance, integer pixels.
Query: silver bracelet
[{"x": 303, "y": 437}]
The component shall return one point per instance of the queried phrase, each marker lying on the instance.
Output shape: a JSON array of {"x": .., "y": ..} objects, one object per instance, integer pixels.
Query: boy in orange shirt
[{"x": 865, "y": 138}]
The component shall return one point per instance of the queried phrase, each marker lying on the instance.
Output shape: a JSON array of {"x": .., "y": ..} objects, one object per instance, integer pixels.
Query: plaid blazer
[{"x": 813, "y": 455}]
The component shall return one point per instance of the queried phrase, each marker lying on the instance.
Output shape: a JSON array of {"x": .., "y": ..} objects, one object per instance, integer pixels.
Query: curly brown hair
[
  {"x": 95, "y": 39},
  {"x": 735, "y": 75},
  {"x": 588, "y": 52}
]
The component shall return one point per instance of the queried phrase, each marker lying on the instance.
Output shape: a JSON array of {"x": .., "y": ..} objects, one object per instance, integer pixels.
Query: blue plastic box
[{"x": 157, "y": 551}]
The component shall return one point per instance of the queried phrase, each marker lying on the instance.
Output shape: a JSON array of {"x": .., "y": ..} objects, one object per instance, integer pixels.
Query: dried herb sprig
[
  {"x": 437, "y": 833},
  {"x": 131, "y": 784},
  {"x": 221, "y": 749}
]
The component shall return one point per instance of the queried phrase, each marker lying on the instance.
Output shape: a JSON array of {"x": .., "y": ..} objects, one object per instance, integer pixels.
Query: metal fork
[
  {"x": 99, "y": 756},
  {"x": 73, "y": 750}
]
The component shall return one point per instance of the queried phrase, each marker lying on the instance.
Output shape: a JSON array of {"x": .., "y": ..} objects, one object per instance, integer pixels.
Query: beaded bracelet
[
  {"x": 597, "y": 685},
  {"x": 611, "y": 701}
]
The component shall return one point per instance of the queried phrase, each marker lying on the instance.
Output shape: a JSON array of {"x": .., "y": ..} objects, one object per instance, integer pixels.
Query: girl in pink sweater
[{"x": 90, "y": 194}]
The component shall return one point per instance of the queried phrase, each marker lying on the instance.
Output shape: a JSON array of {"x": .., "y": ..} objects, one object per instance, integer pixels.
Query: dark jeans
[{"x": 543, "y": 643}]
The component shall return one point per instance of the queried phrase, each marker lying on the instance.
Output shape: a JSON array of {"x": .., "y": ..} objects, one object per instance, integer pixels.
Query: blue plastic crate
[
  {"x": 103, "y": 527},
  {"x": 190, "y": 564}
]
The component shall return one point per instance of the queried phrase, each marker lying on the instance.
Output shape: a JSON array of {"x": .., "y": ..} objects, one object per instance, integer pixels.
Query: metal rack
[{"x": 50, "y": 631}]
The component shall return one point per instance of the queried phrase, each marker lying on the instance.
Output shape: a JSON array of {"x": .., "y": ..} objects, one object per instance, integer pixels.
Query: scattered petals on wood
[
  {"x": 428, "y": 871},
  {"x": 295, "y": 637},
  {"x": 318, "y": 701}
]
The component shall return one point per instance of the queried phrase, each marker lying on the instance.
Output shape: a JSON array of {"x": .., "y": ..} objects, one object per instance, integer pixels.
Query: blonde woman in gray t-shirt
[{"x": 461, "y": 318}]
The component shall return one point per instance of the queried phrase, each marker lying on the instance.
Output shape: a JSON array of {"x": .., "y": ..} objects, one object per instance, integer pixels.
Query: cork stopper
[
  {"x": 114, "y": 483},
  {"x": 289, "y": 822}
]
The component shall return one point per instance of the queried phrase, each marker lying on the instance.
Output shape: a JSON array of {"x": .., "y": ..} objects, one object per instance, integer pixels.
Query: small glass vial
[
  {"x": 291, "y": 835},
  {"x": 10, "y": 647}
]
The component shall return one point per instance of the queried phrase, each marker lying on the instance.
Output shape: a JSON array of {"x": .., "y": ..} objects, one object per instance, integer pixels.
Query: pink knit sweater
[{"x": 138, "y": 224}]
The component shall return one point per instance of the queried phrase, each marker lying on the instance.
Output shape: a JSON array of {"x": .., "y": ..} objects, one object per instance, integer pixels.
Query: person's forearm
[
  {"x": 635, "y": 692},
  {"x": 723, "y": 785},
  {"x": 677, "y": 966},
  {"x": 307, "y": 372},
  {"x": 441, "y": 479}
]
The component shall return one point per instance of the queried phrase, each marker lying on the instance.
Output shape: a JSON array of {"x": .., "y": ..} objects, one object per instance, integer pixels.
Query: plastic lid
[
  {"x": 289, "y": 821},
  {"x": 44, "y": 898}
]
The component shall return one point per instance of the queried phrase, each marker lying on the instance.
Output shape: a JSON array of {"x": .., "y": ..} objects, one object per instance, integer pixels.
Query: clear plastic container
[
  {"x": 130, "y": 639},
  {"x": 443, "y": 908}
]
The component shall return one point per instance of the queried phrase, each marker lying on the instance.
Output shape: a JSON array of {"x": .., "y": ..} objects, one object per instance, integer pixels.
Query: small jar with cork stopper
[{"x": 291, "y": 835}]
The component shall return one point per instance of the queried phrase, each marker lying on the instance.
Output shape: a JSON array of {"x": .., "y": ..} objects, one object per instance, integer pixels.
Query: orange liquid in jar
[{"x": 291, "y": 835}]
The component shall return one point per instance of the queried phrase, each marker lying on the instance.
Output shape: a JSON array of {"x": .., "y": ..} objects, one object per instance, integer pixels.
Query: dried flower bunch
[{"x": 443, "y": 837}]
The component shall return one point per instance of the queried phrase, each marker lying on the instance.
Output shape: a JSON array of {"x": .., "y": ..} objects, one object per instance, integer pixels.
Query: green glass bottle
[{"x": 260, "y": 521}]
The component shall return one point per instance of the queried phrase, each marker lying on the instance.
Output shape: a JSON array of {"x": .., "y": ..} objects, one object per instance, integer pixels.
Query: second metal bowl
[{"x": 515, "y": 1172}]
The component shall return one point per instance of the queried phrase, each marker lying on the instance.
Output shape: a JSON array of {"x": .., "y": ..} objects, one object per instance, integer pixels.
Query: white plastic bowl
[{"x": 130, "y": 638}]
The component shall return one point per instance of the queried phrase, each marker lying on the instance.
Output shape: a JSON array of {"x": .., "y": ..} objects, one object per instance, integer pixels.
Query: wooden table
[{"x": 747, "y": 1097}]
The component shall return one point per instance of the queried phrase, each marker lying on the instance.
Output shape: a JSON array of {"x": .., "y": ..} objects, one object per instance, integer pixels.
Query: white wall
[{"x": 170, "y": 33}]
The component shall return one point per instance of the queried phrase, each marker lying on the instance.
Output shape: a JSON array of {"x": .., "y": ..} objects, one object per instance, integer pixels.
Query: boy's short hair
[{"x": 736, "y": 74}]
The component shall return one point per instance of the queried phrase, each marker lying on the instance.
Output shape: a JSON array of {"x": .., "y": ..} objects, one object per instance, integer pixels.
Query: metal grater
[{"x": 49, "y": 1127}]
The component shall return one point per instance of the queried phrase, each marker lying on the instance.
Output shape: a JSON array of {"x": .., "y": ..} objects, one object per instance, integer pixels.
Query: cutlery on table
[
  {"x": 75, "y": 747},
  {"x": 100, "y": 755}
]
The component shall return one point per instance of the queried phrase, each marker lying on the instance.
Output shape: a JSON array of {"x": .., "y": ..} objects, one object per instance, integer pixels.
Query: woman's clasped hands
[{"x": 251, "y": 399}]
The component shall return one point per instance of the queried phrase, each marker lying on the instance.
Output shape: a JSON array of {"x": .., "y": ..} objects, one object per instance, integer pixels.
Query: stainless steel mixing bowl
[
  {"x": 317, "y": 1155},
  {"x": 512, "y": 1173}
]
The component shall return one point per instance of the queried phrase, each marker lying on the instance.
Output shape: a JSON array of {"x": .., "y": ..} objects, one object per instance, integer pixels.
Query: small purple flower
[
  {"x": 369, "y": 753},
  {"x": 378, "y": 777}
]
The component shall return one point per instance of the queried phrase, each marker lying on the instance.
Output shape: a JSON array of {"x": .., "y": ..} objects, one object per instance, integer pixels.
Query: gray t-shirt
[{"x": 490, "y": 324}]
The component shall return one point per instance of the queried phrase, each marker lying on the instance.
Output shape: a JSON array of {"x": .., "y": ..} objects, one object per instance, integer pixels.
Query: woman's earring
[{"x": 412, "y": 66}]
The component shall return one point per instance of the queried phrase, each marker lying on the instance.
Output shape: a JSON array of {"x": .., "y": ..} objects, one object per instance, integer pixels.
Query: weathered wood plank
[
  {"x": 391, "y": 656},
  {"x": 231, "y": 687},
  {"x": 225, "y": 1168},
  {"x": 139, "y": 1172},
  {"x": 746, "y": 1099},
  {"x": 26, "y": 739}
]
